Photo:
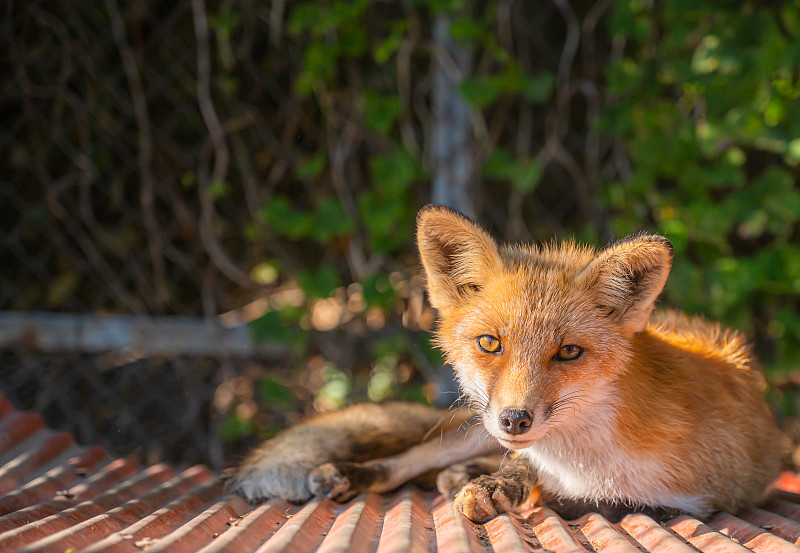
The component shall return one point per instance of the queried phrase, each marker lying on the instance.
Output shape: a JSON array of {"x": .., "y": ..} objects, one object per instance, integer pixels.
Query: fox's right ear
[{"x": 458, "y": 255}]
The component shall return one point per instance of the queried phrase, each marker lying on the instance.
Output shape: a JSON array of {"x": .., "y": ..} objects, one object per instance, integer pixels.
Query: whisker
[
  {"x": 475, "y": 388},
  {"x": 570, "y": 404},
  {"x": 468, "y": 431},
  {"x": 470, "y": 423}
]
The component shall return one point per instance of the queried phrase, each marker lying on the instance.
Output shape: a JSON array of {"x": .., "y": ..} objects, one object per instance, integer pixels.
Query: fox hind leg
[
  {"x": 281, "y": 466},
  {"x": 343, "y": 480}
]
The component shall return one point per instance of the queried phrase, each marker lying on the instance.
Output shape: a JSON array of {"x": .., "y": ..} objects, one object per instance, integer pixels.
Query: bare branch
[
  {"x": 220, "y": 168},
  {"x": 146, "y": 192}
]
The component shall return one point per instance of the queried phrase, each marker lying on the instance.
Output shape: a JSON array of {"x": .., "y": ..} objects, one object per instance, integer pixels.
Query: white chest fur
[{"x": 584, "y": 460}]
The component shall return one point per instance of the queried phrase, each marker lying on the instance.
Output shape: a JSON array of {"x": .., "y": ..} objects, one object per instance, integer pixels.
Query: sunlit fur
[{"x": 661, "y": 409}]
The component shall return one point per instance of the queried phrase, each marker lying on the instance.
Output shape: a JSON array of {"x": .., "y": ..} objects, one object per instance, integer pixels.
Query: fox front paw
[
  {"x": 452, "y": 480},
  {"x": 488, "y": 496}
]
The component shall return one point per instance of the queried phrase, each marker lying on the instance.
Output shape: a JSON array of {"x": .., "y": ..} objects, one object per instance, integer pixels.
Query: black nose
[{"x": 515, "y": 421}]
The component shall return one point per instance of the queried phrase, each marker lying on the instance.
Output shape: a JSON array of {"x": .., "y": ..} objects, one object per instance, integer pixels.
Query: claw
[{"x": 486, "y": 497}]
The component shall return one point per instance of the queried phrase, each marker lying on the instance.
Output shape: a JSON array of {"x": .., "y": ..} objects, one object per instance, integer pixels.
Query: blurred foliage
[{"x": 704, "y": 99}]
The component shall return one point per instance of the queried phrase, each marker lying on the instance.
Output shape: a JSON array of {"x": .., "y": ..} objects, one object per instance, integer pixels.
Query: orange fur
[{"x": 660, "y": 409}]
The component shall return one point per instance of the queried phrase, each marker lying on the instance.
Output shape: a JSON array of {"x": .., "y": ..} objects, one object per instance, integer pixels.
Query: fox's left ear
[{"x": 627, "y": 277}]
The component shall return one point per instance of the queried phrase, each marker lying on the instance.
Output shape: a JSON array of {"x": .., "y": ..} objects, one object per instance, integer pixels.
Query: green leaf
[
  {"x": 538, "y": 88},
  {"x": 523, "y": 174},
  {"x": 393, "y": 173},
  {"x": 498, "y": 165},
  {"x": 219, "y": 188},
  {"x": 225, "y": 21},
  {"x": 386, "y": 48},
  {"x": 480, "y": 92},
  {"x": 416, "y": 394},
  {"x": 466, "y": 30},
  {"x": 281, "y": 327},
  {"x": 269, "y": 327},
  {"x": 333, "y": 393},
  {"x": 444, "y": 6},
  {"x": 276, "y": 394},
  {"x": 378, "y": 291},
  {"x": 381, "y": 111},
  {"x": 265, "y": 273},
  {"x": 320, "y": 282},
  {"x": 706, "y": 58},
  {"x": 320, "y": 19},
  {"x": 330, "y": 221},
  {"x": 311, "y": 167},
  {"x": 320, "y": 62},
  {"x": 387, "y": 219},
  {"x": 353, "y": 41},
  {"x": 424, "y": 345},
  {"x": 526, "y": 175},
  {"x": 235, "y": 427},
  {"x": 793, "y": 151},
  {"x": 304, "y": 15},
  {"x": 386, "y": 210},
  {"x": 381, "y": 383},
  {"x": 280, "y": 216}
]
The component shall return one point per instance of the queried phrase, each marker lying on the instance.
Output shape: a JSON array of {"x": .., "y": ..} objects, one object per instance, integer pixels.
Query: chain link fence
[
  {"x": 141, "y": 140},
  {"x": 156, "y": 408},
  {"x": 106, "y": 158}
]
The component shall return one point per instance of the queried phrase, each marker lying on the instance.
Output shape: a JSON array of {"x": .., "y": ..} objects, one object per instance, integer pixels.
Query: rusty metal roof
[{"x": 61, "y": 497}]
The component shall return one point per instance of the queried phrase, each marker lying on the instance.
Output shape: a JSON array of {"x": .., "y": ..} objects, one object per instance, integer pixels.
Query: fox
[{"x": 606, "y": 403}]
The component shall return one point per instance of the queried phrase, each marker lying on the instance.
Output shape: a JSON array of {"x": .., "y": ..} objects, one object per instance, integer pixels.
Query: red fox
[{"x": 557, "y": 348}]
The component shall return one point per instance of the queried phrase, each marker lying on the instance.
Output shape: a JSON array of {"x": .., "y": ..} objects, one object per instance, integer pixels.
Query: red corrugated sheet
[{"x": 60, "y": 497}]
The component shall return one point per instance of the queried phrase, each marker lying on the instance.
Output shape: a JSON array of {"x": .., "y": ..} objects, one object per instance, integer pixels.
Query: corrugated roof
[{"x": 61, "y": 497}]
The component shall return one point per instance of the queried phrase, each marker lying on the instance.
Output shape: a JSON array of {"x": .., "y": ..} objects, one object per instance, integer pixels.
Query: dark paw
[
  {"x": 331, "y": 480},
  {"x": 343, "y": 481},
  {"x": 488, "y": 496},
  {"x": 451, "y": 480}
]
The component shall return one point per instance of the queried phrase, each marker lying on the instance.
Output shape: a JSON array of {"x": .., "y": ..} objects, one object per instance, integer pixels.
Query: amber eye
[
  {"x": 489, "y": 344},
  {"x": 568, "y": 353}
]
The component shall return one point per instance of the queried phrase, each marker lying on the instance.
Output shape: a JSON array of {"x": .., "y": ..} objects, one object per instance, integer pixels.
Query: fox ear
[
  {"x": 627, "y": 277},
  {"x": 458, "y": 255}
]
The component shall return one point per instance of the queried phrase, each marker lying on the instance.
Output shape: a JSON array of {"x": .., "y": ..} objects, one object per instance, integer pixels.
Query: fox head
[{"x": 532, "y": 331}]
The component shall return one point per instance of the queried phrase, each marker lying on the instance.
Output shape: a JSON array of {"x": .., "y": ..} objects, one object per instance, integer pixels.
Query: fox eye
[
  {"x": 489, "y": 344},
  {"x": 568, "y": 353}
]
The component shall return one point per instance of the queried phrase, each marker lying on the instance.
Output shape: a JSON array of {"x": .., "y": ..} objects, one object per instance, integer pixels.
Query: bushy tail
[{"x": 279, "y": 468}]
